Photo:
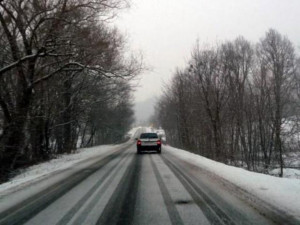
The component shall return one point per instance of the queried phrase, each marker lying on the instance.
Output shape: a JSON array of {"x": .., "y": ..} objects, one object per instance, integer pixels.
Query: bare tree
[
  {"x": 236, "y": 99},
  {"x": 278, "y": 57},
  {"x": 53, "y": 52}
]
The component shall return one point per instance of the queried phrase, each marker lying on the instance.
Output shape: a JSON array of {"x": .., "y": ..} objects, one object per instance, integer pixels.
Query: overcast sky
[{"x": 166, "y": 30}]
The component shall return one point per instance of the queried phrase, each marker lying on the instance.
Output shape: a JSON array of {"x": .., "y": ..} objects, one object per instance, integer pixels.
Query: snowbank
[
  {"x": 42, "y": 170},
  {"x": 36, "y": 172},
  {"x": 282, "y": 193},
  {"x": 132, "y": 132}
]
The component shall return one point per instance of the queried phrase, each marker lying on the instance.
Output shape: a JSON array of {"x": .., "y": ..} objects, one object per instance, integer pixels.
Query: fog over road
[{"x": 127, "y": 188}]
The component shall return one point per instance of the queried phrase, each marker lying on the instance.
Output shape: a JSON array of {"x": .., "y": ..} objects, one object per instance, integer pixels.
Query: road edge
[{"x": 266, "y": 209}]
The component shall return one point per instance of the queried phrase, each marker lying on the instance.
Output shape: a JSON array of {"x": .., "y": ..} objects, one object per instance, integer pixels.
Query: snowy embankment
[
  {"x": 282, "y": 193},
  {"x": 62, "y": 162}
]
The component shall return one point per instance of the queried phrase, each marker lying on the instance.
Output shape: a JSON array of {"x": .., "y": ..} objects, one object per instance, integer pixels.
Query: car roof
[{"x": 149, "y": 135}]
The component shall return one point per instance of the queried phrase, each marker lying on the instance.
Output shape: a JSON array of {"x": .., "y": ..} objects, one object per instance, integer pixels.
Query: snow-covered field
[{"x": 282, "y": 193}]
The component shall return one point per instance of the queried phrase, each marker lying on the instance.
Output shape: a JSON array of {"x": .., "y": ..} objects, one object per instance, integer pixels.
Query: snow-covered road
[{"x": 125, "y": 188}]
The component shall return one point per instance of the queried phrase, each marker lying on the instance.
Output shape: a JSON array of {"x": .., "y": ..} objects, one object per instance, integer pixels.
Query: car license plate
[{"x": 148, "y": 143}]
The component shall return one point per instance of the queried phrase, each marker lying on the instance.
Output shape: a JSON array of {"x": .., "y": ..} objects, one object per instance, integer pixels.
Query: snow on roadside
[
  {"x": 64, "y": 161},
  {"x": 132, "y": 132},
  {"x": 39, "y": 171},
  {"x": 288, "y": 173},
  {"x": 282, "y": 193}
]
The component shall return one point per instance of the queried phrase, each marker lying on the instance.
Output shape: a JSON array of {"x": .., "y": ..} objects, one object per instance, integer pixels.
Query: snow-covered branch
[{"x": 14, "y": 64}]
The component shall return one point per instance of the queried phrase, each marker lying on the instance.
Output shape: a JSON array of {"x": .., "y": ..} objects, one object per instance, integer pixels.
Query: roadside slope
[
  {"x": 281, "y": 193},
  {"x": 62, "y": 162}
]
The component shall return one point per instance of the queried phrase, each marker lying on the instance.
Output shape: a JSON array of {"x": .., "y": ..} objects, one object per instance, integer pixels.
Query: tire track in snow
[
  {"x": 123, "y": 200},
  {"x": 170, "y": 205},
  {"x": 86, "y": 197},
  {"x": 32, "y": 206},
  {"x": 213, "y": 213},
  {"x": 91, "y": 205}
]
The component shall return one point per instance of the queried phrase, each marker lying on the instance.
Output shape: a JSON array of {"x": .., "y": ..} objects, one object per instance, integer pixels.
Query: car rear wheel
[{"x": 159, "y": 151}]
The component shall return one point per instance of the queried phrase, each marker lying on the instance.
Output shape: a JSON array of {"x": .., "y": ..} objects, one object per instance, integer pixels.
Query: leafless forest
[
  {"x": 236, "y": 102},
  {"x": 64, "y": 78}
]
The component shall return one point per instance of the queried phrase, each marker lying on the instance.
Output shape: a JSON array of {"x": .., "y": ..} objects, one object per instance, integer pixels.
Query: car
[{"x": 148, "y": 142}]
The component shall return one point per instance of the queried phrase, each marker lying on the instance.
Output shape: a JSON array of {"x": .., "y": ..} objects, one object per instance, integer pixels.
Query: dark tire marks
[
  {"x": 171, "y": 207},
  {"x": 86, "y": 197},
  {"x": 24, "y": 211},
  {"x": 213, "y": 213},
  {"x": 122, "y": 202},
  {"x": 93, "y": 203}
]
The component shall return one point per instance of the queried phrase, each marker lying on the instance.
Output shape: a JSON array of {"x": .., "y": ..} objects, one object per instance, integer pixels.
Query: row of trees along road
[
  {"x": 64, "y": 78},
  {"x": 237, "y": 103}
]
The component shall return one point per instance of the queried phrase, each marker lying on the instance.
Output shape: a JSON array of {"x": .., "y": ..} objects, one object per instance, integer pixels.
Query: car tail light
[
  {"x": 138, "y": 142},
  {"x": 158, "y": 142}
]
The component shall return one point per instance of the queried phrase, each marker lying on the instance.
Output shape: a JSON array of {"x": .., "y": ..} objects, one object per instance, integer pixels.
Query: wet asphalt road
[{"x": 127, "y": 188}]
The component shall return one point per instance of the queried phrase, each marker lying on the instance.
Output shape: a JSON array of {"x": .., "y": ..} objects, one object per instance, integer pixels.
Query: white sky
[{"x": 166, "y": 30}]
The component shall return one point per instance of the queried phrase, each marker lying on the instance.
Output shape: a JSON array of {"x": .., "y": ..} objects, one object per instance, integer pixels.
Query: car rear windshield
[{"x": 149, "y": 135}]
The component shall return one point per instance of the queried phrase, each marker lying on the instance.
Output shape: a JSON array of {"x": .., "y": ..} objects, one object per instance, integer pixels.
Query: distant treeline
[
  {"x": 64, "y": 79},
  {"x": 236, "y": 102}
]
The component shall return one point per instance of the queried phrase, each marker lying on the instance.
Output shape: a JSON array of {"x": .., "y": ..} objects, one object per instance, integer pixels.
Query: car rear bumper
[{"x": 149, "y": 148}]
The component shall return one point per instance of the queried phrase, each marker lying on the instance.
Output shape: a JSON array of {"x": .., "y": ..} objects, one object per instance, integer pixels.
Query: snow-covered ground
[
  {"x": 292, "y": 159},
  {"x": 292, "y": 164},
  {"x": 132, "y": 132},
  {"x": 282, "y": 193},
  {"x": 62, "y": 162},
  {"x": 287, "y": 173}
]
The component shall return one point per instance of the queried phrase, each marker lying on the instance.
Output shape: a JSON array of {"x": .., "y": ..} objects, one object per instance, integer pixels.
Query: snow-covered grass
[
  {"x": 62, "y": 162},
  {"x": 282, "y": 193}
]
